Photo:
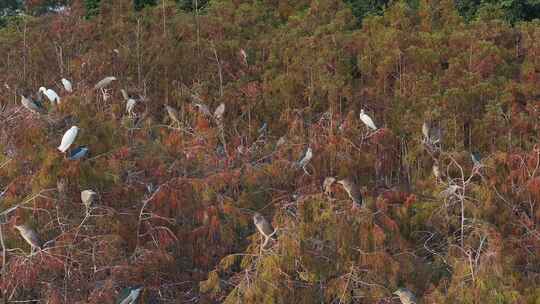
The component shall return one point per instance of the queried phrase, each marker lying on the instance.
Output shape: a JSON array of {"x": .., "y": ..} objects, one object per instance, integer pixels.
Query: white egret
[
  {"x": 67, "y": 85},
  {"x": 218, "y": 113},
  {"x": 68, "y": 139},
  {"x": 130, "y": 105},
  {"x": 243, "y": 54},
  {"x": 367, "y": 120},
  {"x": 51, "y": 95},
  {"x": 104, "y": 82},
  {"x": 88, "y": 197},
  {"x": 305, "y": 160}
]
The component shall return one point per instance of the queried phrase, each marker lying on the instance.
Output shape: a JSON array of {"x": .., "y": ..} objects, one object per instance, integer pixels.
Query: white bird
[
  {"x": 88, "y": 197},
  {"x": 68, "y": 138},
  {"x": 436, "y": 171},
  {"x": 244, "y": 56},
  {"x": 218, "y": 113},
  {"x": 305, "y": 160},
  {"x": 32, "y": 105},
  {"x": 67, "y": 85},
  {"x": 173, "y": 114},
  {"x": 51, "y": 95},
  {"x": 327, "y": 185},
  {"x": 405, "y": 296},
  {"x": 281, "y": 141},
  {"x": 202, "y": 108},
  {"x": 425, "y": 131},
  {"x": 367, "y": 120},
  {"x": 104, "y": 82},
  {"x": 451, "y": 190},
  {"x": 130, "y": 105},
  {"x": 30, "y": 236}
]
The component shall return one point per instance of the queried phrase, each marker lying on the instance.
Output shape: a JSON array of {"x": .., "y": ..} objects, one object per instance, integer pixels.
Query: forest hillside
[{"x": 269, "y": 151}]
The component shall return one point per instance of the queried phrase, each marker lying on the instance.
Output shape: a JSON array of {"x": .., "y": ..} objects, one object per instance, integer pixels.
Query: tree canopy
[{"x": 203, "y": 120}]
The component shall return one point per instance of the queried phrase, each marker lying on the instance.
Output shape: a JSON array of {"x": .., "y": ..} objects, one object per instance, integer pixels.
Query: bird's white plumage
[
  {"x": 68, "y": 139},
  {"x": 130, "y": 105},
  {"x": 67, "y": 85},
  {"x": 51, "y": 95},
  {"x": 104, "y": 82},
  {"x": 220, "y": 110},
  {"x": 88, "y": 197},
  {"x": 367, "y": 120},
  {"x": 307, "y": 157},
  {"x": 425, "y": 130}
]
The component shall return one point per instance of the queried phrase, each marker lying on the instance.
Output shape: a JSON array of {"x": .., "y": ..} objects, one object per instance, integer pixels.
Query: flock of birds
[{"x": 432, "y": 137}]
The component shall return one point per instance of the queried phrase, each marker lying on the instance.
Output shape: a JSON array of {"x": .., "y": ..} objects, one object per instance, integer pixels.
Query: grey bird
[
  {"x": 476, "y": 159},
  {"x": 88, "y": 197},
  {"x": 354, "y": 192},
  {"x": 173, "y": 114},
  {"x": 302, "y": 163},
  {"x": 32, "y": 106},
  {"x": 30, "y": 236},
  {"x": 405, "y": 296},
  {"x": 264, "y": 227},
  {"x": 129, "y": 295},
  {"x": 78, "y": 153},
  {"x": 327, "y": 185},
  {"x": 104, "y": 82}
]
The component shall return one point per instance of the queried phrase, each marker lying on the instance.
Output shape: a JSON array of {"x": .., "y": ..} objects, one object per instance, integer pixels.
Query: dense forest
[{"x": 270, "y": 151}]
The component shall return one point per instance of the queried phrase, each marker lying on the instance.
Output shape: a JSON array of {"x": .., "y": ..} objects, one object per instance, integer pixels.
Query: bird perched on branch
[
  {"x": 68, "y": 139},
  {"x": 30, "y": 236},
  {"x": 129, "y": 295},
  {"x": 302, "y": 163},
  {"x": 354, "y": 192},
  {"x": 88, "y": 197},
  {"x": 104, "y": 82},
  {"x": 367, "y": 120},
  {"x": 67, "y": 85},
  {"x": 405, "y": 296},
  {"x": 51, "y": 95},
  {"x": 173, "y": 114},
  {"x": 264, "y": 227},
  {"x": 78, "y": 153},
  {"x": 327, "y": 185},
  {"x": 32, "y": 106}
]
